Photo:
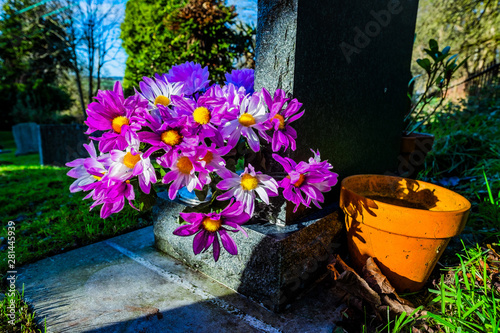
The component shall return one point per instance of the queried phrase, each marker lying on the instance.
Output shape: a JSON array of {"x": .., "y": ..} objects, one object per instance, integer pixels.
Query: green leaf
[
  {"x": 431, "y": 53},
  {"x": 414, "y": 78},
  {"x": 433, "y": 45},
  {"x": 452, "y": 58},
  {"x": 425, "y": 64},
  {"x": 162, "y": 172}
]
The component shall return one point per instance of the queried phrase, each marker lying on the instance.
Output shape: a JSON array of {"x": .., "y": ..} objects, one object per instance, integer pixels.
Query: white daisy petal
[{"x": 262, "y": 194}]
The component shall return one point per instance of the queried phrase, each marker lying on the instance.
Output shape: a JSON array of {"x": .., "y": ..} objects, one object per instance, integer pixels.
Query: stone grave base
[{"x": 274, "y": 264}]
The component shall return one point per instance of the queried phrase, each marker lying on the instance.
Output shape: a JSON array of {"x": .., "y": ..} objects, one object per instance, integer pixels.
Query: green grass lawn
[{"x": 48, "y": 218}]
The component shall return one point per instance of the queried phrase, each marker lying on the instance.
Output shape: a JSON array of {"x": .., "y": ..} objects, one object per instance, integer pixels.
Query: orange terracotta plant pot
[{"x": 403, "y": 224}]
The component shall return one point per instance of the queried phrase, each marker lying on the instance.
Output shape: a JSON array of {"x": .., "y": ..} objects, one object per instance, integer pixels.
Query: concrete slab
[{"x": 125, "y": 285}]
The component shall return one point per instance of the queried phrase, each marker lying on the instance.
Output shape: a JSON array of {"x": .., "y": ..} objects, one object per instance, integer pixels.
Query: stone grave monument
[
  {"x": 26, "y": 138},
  {"x": 348, "y": 62}
]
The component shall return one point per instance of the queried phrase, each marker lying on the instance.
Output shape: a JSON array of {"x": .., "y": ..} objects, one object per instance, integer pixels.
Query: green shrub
[{"x": 159, "y": 34}]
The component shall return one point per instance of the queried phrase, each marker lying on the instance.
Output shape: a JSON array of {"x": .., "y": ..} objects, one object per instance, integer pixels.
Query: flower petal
[{"x": 228, "y": 242}]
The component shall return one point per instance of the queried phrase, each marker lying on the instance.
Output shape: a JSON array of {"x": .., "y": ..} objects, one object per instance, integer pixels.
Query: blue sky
[{"x": 247, "y": 12}]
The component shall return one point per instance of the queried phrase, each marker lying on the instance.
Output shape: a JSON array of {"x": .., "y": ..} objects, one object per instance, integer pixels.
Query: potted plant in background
[
  {"x": 181, "y": 131},
  {"x": 439, "y": 70}
]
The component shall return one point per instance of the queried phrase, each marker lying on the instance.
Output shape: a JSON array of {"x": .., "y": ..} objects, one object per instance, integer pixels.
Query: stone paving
[{"x": 125, "y": 285}]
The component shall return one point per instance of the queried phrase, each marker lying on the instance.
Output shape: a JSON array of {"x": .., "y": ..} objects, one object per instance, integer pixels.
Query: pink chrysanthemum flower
[
  {"x": 208, "y": 228},
  {"x": 183, "y": 168},
  {"x": 226, "y": 101},
  {"x": 306, "y": 179},
  {"x": 284, "y": 135},
  {"x": 159, "y": 91},
  {"x": 200, "y": 116},
  {"x": 111, "y": 195},
  {"x": 252, "y": 115},
  {"x": 87, "y": 170},
  {"x": 193, "y": 77},
  {"x": 244, "y": 187},
  {"x": 116, "y": 115},
  {"x": 211, "y": 160},
  {"x": 127, "y": 164}
]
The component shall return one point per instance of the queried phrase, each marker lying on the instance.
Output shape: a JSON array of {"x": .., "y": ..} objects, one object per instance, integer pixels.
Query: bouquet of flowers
[{"x": 181, "y": 131}]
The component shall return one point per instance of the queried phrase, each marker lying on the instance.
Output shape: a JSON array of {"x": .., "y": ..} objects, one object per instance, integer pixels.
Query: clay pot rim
[{"x": 434, "y": 186}]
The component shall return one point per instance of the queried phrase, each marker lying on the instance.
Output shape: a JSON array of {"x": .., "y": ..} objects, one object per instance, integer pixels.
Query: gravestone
[
  {"x": 60, "y": 144},
  {"x": 348, "y": 62},
  {"x": 26, "y": 138}
]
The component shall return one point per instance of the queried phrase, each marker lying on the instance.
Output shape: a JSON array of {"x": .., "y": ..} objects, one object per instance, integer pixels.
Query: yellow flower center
[
  {"x": 162, "y": 100},
  {"x": 131, "y": 160},
  {"x": 246, "y": 119},
  {"x": 118, "y": 122},
  {"x": 249, "y": 182},
  {"x": 184, "y": 165},
  {"x": 171, "y": 137},
  {"x": 281, "y": 120},
  {"x": 201, "y": 115},
  {"x": 211, "y": 225},
  {"x": 208, "y": 157}
]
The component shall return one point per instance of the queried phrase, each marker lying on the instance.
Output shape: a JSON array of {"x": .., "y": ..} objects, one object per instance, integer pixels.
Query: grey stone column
[{"x": 348, "y": 62}]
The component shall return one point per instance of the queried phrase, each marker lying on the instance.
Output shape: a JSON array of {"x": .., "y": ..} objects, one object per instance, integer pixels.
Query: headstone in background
[
  {"x": 348, "y": 62},
  {"x": 26, "y": 138},
  {"x": 60, "y": 144}
]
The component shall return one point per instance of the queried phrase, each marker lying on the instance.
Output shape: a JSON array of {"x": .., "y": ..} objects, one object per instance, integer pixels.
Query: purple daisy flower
[
  {"x": 159, "y": 91},
  {"x": 244, "y": 187},
  {"x": 284, "y": 134},
  {"x": 182, "y": 172},
  {"x": 191, "y": 75},
  {"x": 212, "y": 226},
  {"x": 87, "y": 170},
  {"x": 116, "y": 115},
  {"x": 111, "y": 195},
  {"x": 305, "y": 179},
  {"x": 242, "y": 78},
  {"x": 170, "y": 136},
  {"x": 127, "y": 164},
  {"x": 252, "y": 115}
]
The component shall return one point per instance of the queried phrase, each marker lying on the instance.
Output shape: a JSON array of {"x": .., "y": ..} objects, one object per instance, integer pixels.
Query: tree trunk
[{"x": 80, "y": 90}]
